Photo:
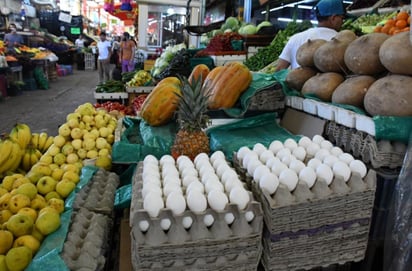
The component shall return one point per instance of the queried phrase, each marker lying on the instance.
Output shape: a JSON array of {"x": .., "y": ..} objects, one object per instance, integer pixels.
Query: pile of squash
[{"x": 224, "y": 84}]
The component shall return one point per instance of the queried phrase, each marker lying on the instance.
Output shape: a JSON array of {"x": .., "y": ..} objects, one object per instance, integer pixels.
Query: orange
[
  {"x": 392, "y": 30},
  {"x": 390, "y": 22},
  {"x": 402, "y": 15},
  {"x": 401, "y": 24},
  {"x": 377, "y": 29},
  {"x": 385, "y": 29}
]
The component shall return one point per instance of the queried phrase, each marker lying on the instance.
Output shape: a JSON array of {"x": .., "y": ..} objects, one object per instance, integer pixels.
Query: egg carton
[
  {"x": 321, "y": 247},
  {"x": 99, "y": 193},
  {"x": 270, "y": 99},
  {"x": 182, "y": 247},
  {"x": 379, "y": 153},
  {"x": 306, "y": 208},
  {"x": 86, "y": 244}
]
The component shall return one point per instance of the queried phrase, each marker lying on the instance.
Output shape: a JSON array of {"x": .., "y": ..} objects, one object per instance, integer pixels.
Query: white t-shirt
[
  {"x": 291, "y": 48},
  {"x": 103, "y": 47},
  {"x": 79, "y": 43}
]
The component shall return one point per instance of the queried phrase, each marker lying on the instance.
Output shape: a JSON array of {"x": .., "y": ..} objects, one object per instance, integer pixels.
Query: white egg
[
  {"x": 252, "y": 166},
  {"x": 229, "y": 218},
  {"x": 304, "y": 141},
  {"x": 231, "y": 183},
  {"x": 296, "y": 166},
  {"x": 195, "y": 186},
  {"x": 201, "y": 156},
  {"x": 147, "y": 187},
  {"x": 321, "y": 154},
  {"x": 217, "y": 155},
  {"x": 277, "y": 168},
  {"x": 150, "y": 159},
  {"x": 269, "y": 182},
  {"x": 248, "y": 157},
  {"x": 299, "y": 153},
  {"x": 166, "y": 159},
  {"x": 184, "y": 165},
  {"x": 208, "y": 220},
  {"x": 149, "y": 177},
  {"x": 144, "y": 225},
  {"x": 239, "y": 196},
  {"x": 169, "y": 170},
  {"x": 259, "y": 171},
  {"x": 287, "y": 159},
  {"x": 342, "y": 170},
  {"x": 276, "y": 146},
  {"x": 266, "y": 155},
  {"x": 324, "y": 172},
  {"x": 170, "y": 188},
  {"x": 214, "y": 185},
  {"x": 151, "y": 168},
  {"x": 259, "y": 148},
  {"x": 171, "y": 179},
  {"x": 330, "y": 160},
  {"x": 176, "y": 202},
  {"x": 249, "y": 215},
  {"x": 308, "y": 175},
  {"x": 346, "y": 157},
  {"x": 326, "y": 144},
  {"x": 222, "y": 168},
  {"x": 187, "y": 222},
  {"x": 336, "y": 151},
  {"x": 312, "y": 149},
  {"x": 317, "y": 139},
  {"x": 217, "y": 200},
  {"x": 152, "y": 203},
  {"x": 196, "y": 201},
  {"x": 186, "y": 180},
  {"x": 206, "y": 169},
  {"x": 165, "y": 224},
  {"x": 271, "y": 161},
  {"x": 283, "y": 152},
  {"x": 359, "y": 167},
  {"x": 290, "y": 144},
  {"x": 218, "y": 161},
  {"x": 201, "y": 162},
  {"x": 183, "y": 159},
  {"x": 228, "y": 174},
  {"x": 209, "y": 177},
  {"x": 189, "y": 172},
  {"x": 314, "y": 163},
  {"x": 289, "y": 178},
  {"x": 240, "y": 154}
]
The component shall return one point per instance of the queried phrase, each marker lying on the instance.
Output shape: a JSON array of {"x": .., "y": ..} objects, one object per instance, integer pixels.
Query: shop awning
[{"x": 125, "y": 15}]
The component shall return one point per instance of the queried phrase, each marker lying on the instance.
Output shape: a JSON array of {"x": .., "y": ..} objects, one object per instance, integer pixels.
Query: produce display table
[{"x": 123, "y": 96}]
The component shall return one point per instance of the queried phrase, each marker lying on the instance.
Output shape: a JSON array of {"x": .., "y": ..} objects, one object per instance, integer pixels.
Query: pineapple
[{"x": 192, "y": 119}]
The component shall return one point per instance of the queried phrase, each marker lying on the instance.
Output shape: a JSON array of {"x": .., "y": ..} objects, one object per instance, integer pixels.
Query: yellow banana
[
  {"x": 21, "y": 133},
  {"x": 13, "y": 160},
  {"x": 6, "y": 147},
  {"x": 48, "y": 143},
  {"x": 25, "y": 163},
  {"x": 42, "y": 141},
  {"x": 33, "y": 158},
  {"x": 35, "y": 140},
  {"x": 37, "y": 153}
]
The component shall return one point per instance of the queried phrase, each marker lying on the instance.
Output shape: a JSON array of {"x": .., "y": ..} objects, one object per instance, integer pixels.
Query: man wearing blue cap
[{"x": 330, "y": 15}]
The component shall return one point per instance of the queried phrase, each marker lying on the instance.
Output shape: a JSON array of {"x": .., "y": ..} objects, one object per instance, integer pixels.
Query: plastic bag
[
  {"x": 398, "y": 241},
  {"x": 247, "y": 132},
  {"x": 40, "y": 78}
]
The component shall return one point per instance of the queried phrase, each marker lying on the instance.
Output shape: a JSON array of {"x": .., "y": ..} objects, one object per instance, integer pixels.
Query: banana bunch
[
  {"x": 10, "y": 155},
  {"x": 141, "y": 78},
  {"x": 30, "y": 157},
  {"x": 41, "y": 141},
  {"x": 21, "y": 134}
]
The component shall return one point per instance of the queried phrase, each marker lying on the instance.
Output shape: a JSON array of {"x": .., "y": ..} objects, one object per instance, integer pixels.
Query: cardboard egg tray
[
  {"x": 99, "y": 193},
  {"x": 87, "y": 241},
  {"x": 379, "y": 153},
  {"x": 220, "y": 246},
  {"x": 315, "y": 227}
]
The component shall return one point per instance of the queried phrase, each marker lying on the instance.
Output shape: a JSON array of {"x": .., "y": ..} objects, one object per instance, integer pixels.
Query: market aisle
[{"x": 45, "y": 110}]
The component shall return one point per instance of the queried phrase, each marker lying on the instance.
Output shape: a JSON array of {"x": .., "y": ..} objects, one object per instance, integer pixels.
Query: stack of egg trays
[
  {"x": 237, "y": 246},
  {"x": 379, "y": 154},
  {"x": 318, "y": 232},
  {"x": 87, "y": 242}
]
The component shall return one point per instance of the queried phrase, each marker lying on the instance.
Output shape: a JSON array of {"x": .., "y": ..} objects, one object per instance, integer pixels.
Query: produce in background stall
[
  {"x": 140, "y": 78},
  {"x": 110, "y": 86},
  {"x": 178, "y": 65},
  {"x": 162, "y": 62}
]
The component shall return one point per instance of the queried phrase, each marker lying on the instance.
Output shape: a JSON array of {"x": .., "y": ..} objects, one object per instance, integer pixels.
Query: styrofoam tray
[
  {"x": 114, "y": 95},
  {"x": 345, "y": 117},
  {"x": 365, "y": 124},
  {"x": 326, "y": 111},
  {"x": 140, "y": 89},
  {"x": 310, "y": 106}
]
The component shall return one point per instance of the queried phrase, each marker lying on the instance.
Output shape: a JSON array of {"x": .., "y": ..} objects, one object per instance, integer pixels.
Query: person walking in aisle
[
  {"x": 127, "y": 51},
  {"x": 103, "y": 60}
]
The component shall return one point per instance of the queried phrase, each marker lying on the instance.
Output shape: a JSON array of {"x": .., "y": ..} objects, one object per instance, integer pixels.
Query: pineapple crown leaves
[{"x": 192, "y": 105}]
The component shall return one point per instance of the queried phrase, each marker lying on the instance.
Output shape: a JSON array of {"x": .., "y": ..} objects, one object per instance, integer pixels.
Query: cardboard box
[
  {"x": 300, "y": 123},
  {"x": 148, "y": 64}
]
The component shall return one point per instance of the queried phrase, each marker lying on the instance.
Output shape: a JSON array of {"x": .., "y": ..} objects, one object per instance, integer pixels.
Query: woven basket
[{"x": 271, "y": 99}]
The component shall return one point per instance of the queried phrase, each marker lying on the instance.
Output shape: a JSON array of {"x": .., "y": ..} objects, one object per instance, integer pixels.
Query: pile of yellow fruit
[{"x": 31, "y": 203}]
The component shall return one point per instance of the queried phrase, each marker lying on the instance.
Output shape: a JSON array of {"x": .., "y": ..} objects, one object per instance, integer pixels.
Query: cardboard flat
[{"x": 301, "y": 123}]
